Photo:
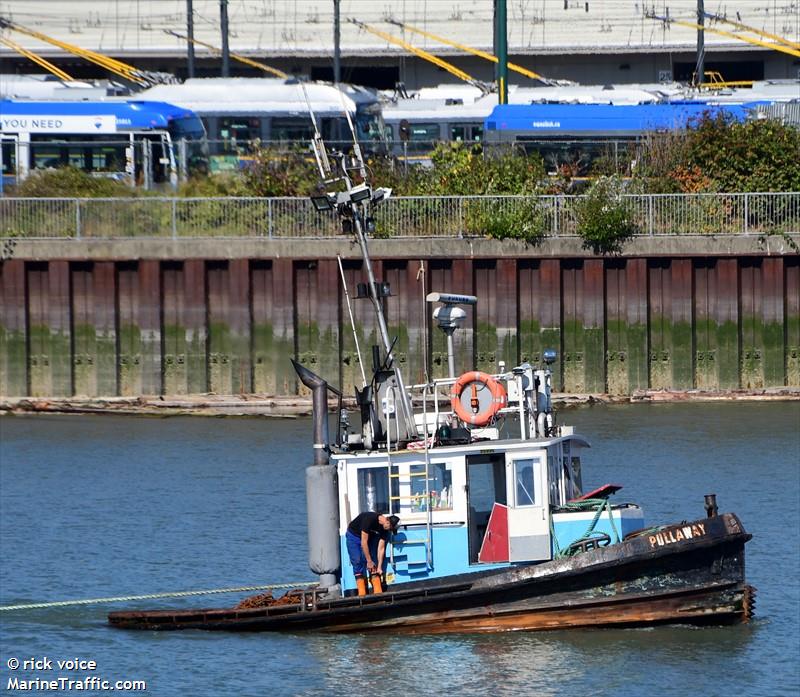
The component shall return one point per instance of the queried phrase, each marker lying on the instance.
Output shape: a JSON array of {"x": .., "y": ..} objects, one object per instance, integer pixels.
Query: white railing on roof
[{"x": 408, "y": 216}]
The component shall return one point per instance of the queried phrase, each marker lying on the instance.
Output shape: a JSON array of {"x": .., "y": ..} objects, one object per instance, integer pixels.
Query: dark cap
[{"x": 395, "y": 521}]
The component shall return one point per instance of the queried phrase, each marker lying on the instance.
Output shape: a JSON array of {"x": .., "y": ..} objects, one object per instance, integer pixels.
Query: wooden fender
[{"x": 481, "y": 418}]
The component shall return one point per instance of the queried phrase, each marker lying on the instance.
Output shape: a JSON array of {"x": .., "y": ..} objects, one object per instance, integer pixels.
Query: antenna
[
  {"x": 317, "y": 144},
  {"x": 352, "y": 206},
  {"x": 356, "y": 147}
]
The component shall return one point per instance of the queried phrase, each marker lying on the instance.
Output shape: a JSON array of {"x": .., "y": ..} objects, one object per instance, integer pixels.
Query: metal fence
[{"x": 413, "y": 216}]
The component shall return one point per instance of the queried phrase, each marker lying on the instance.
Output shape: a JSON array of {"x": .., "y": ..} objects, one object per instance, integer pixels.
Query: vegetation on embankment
[{"x": 714, "y": 155}]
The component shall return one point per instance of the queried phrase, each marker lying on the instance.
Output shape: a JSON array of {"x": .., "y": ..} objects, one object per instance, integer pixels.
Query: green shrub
[
  {"x": 720, "y": 154},
  {"x": 605, "y": 219},
  {"x": 70, "y": 182},
  {"x": 225, "y": 184},
  {"x": 511, "y": 218},
  {"x": 274, "y": 172}
]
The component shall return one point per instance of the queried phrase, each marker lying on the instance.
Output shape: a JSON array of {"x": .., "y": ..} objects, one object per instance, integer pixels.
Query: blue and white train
[{"x": 130, "y": 140}]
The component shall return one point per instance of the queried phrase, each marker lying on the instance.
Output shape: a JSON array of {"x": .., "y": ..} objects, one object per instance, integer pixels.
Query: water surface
[{"x": 111, "y": 505}]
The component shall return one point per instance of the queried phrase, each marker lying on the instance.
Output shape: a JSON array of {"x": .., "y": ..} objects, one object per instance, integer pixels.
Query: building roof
[{"x": 284, "y": 28}]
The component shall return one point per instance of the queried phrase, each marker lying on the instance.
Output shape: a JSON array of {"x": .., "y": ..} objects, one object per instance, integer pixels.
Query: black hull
[{"x": 650, "y": 579}]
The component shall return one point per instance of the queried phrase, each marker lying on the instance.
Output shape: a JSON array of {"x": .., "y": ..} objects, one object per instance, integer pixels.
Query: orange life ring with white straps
[{"x": 483, "y": 417}]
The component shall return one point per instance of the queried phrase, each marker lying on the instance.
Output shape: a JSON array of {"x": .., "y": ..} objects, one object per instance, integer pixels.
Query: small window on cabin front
[
  {"x": 373, "y": 490},
  {"x": 576, "y": 474},
  {"x": 525, "y": 493},
  {"x": 554, "y": 475},
  {"x": 440, "y": 487}
]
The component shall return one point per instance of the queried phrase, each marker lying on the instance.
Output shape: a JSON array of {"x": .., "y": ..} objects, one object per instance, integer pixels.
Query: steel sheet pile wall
[
  {"x": 317, "y": 320},
  {"x": 188, "y": 327},
  {"x": 272, "y": 328}
]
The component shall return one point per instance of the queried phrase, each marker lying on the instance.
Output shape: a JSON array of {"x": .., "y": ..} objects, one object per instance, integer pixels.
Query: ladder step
[{"x": 411, "y": 474}]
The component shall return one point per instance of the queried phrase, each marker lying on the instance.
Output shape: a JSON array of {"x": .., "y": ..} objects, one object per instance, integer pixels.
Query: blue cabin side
[{"x": 471, "y": 508}]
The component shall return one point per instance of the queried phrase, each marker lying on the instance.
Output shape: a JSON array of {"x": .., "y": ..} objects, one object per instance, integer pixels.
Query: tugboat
[{"x": 495, "y": 530}]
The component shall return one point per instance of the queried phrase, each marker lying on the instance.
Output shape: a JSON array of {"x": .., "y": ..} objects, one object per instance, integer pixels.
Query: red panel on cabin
[{"x": 495, "y": 541}]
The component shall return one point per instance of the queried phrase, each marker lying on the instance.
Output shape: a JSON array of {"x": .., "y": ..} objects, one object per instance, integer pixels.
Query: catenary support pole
[
  {"x": 337, "y": 50},
  {"x": 226, "y": 53},
  {"x": 501, "y": 31},
  {"x": 190, "y": 39},
  {"x": 701, "y": 44}
]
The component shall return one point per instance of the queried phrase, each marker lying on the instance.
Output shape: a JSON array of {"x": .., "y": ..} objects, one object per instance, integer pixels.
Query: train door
[
  {"x": 9, "y": 157},
  {"x": 486, "y": 485},
  {"x": 529, "y": 508},
  {"x": 157, "y": 160}
]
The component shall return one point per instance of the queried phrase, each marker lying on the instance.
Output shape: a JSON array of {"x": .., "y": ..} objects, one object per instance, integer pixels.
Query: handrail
[{"x": 410, "y": 216}]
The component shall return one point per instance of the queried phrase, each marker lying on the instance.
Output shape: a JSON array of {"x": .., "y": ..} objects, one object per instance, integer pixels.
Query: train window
[
  {"x": 242, "y": 130},
  {"x": 458, "y": 133},
  {"x": 291, "y": 129},
  {"x": 425, "y": 131},
  {"x": 82, "y": 152},
  {"x": 467, "y": 132},
  {"x": 9, "y": 152}
]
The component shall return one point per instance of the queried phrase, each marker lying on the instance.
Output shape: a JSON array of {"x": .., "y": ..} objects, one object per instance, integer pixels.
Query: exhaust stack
[{"x": 322, "y": 499}]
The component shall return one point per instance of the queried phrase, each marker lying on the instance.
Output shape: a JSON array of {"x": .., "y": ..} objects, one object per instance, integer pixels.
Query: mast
[{"x": 352, "y": 206}]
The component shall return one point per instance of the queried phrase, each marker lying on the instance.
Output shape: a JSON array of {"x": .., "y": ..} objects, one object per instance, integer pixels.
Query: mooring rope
[{"x": 153, "y": 596}]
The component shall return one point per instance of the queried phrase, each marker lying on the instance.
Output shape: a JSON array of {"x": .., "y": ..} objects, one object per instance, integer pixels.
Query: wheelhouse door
[
  {"x": 529, "y": 507},
  {"x": 486, "y": 485}
]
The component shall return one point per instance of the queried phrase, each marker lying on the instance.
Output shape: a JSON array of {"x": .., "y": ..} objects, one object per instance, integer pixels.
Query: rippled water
[{"x": 107, "y": 506}]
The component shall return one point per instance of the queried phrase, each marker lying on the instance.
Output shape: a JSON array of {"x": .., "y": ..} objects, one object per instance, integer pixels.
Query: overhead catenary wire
[
  {"x": 117, "y": 67},
  {"x": 782, "y": 48},
  {"x": 474, "y": 51},
  {"x": 236, "y": 56},
  {"x": 425, "y": 55},
  {"x": 43, "y": 62},
  {"x": 154, "y": 596},
  {"x": 744, "y": 27}
]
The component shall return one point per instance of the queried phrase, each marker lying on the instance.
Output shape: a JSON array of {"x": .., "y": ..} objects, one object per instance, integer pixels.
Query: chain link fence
[{"x": 413, "y": 216}]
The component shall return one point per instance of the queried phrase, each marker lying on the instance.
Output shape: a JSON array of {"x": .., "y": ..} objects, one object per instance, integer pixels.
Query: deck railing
[{"x": 410, "y": 216}]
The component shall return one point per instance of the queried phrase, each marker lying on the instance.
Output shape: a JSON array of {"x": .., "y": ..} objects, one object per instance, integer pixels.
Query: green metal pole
[{"x": 501, "y": 42}]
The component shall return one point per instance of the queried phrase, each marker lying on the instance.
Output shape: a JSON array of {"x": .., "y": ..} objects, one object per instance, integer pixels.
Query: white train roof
[
  {"x": 254, "y": 95},
  {"x": 47, "y": 87}
]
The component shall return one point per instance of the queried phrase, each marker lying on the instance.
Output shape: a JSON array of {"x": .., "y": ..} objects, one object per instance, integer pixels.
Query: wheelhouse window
[
  {"x": 440, "y": 487},
  {"x": 373, "y": 489},
  {"x": 524, "y": 487}
]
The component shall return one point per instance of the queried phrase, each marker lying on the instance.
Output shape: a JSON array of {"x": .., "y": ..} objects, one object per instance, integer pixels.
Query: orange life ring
[{"x": 477, "y": 418}]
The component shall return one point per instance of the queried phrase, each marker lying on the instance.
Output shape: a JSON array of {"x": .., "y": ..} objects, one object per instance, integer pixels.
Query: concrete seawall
[{"x": 190, "y": 316}]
